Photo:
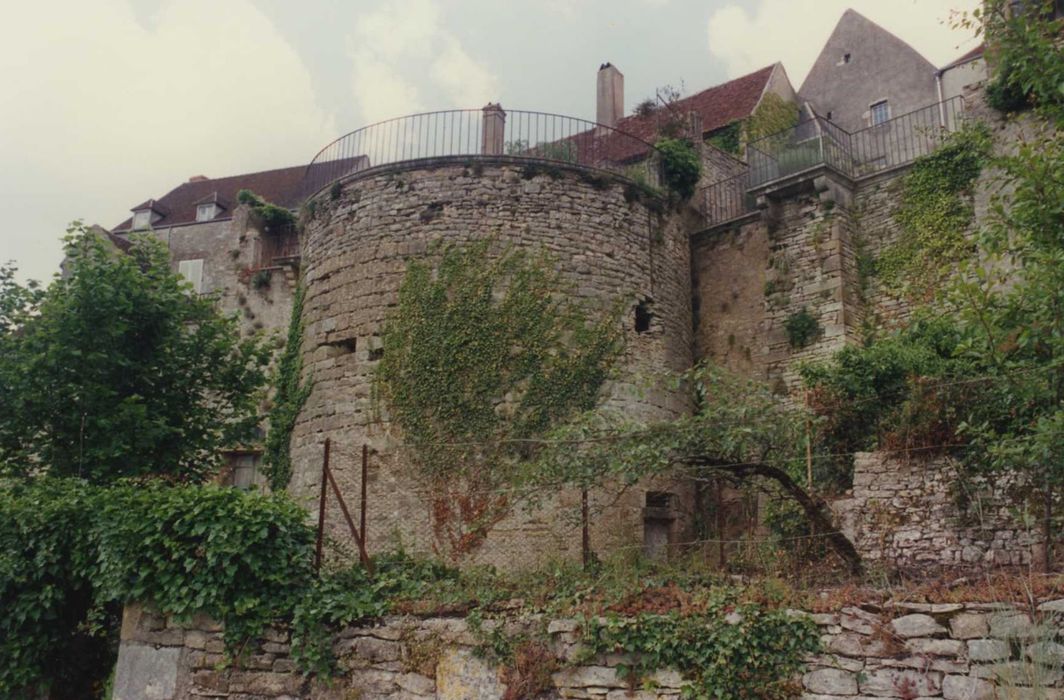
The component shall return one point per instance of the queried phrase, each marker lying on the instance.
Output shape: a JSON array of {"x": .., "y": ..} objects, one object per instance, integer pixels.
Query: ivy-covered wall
[{"x": 612, "y": 245}]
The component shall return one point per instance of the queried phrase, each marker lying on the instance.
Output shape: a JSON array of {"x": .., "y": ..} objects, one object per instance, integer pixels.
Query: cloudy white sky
[{"x": 110, "y": 102}]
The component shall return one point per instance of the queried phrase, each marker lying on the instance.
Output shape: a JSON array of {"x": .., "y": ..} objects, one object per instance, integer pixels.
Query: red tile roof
[
  {"x": 282, "y": 187},
  {"x": 719, "y": 106}
]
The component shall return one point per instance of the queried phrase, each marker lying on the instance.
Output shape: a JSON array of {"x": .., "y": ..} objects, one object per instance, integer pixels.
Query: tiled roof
[
  {"x": 282, "y": 187},
  {"x": 719, "y": 106}
]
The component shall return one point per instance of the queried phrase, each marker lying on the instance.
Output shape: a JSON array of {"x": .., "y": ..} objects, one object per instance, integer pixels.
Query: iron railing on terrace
[
  {"x": 490, "y": 131},
  {"x": 818, "y": 142}
]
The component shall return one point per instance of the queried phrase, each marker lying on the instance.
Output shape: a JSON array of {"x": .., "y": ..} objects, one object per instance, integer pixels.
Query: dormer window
[
  {"x": 141, "y": 219},
  {"x": 206, "y": 212}
]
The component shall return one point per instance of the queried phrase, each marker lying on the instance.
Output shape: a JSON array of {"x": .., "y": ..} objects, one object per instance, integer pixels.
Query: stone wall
[
  {"x": 908, "y": 513},
  {"x": 610, "y": 246},
  {"x": 748, "y": 280},
  {"x": 903, "y": 650}
]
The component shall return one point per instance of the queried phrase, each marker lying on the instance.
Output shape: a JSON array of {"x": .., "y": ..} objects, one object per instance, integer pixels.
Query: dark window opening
[
  {"x": 345, "y": 345},
  {"x": 659, "y": 499},
  {"x": 845, "y": 58},
  {"x": 829, "y": 115},
  {"x": 376, "y": 354},
  {"x": 643, "y": 316}
]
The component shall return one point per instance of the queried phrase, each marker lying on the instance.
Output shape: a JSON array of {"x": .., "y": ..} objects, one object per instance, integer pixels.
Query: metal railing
[
  {"x": 727, "y": 199},
  {"x": 490, "y": 131},
  {"x": 818, "y": 142}
]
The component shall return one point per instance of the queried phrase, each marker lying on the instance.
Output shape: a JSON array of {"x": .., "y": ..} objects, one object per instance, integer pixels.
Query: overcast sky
[{"x": 109, "y": 102}]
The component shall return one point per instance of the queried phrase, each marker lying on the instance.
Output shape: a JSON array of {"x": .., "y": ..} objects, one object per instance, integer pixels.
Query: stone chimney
[
  {"x": 609, "y": 97},
  {"x": 494, "y": 130},
  {"x": 198, "y": 178}
]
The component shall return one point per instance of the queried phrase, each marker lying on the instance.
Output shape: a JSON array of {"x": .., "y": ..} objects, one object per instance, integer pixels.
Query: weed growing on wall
[
  {"x": 802, "y": 328},
  {"x": 272, "y": 216},
  {"x": 486, "y": 347}
]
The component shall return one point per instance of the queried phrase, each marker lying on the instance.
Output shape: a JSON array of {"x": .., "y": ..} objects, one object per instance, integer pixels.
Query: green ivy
[
  {"x": 774, "y": 115},
  {"x": 291, "y": 394},
  {"x": 485, "y": 349},
  {"x": 728, "y": 138},
  {"x": 272, "y": 216},
  {"x": 681, "y": 165},
  {"x": 934, "y": 215},
  {"x": 728, "y": 651},
  {"x": 72, "y": 553}
]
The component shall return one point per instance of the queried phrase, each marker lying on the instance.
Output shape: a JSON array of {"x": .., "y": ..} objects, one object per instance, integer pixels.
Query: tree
[
  {"x": 484, "y": 354},
  {"x": 741, "y": 432},
  {"x": 118, "y": 369}
]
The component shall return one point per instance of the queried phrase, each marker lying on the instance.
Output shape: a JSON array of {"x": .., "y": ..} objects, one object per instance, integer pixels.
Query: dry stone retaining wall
[
  {"x": 906, "y": 512},
  {"x": 904, "y": 650},
  {"x": 609, "y": 245}
]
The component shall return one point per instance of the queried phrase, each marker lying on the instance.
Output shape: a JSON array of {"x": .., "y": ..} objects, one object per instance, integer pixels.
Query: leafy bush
[
  {"x": 681, "y": 165},
  {"x": 71, "y": 554},
  {"x": 876, "y": 395},
  {"x": 242, "y": 558},
  {"x": 47, "y": 560}
]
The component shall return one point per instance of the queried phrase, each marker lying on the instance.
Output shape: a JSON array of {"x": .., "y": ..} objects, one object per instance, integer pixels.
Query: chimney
[
  {"x": 493, "y": 134},
  {"x": 198, "y": 178},
  {"x": 609, "y": 97}
]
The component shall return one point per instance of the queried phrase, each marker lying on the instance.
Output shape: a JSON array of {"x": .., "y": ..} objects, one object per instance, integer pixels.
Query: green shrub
[
  {"x": 71, "y": 554},
  {"x": 681, "y": 166}
]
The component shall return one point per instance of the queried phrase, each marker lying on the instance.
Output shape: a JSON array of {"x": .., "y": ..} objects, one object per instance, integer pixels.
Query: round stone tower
[{"x": 611, "y": 242}]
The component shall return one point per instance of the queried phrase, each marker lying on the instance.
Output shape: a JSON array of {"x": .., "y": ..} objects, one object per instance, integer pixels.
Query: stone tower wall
[{"x": 356, "y": 249}]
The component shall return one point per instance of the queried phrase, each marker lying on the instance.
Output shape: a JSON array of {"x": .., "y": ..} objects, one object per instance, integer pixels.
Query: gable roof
[
  {"x": 718, "y": 106},
  {"x": 971, "y": 55},
  {"x": 283, "y": 187}
]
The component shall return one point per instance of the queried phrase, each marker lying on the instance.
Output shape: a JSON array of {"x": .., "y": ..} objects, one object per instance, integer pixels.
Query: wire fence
[
  {"x": 491, "y": 131},
  {"x": 818, "y": 142}
]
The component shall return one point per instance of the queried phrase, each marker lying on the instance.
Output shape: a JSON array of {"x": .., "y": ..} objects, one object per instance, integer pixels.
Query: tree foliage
[
  {"x": 118, "y": 369},
  {"x": 485, "y": 351},
  {"x": 741, "y": 431},
  {"x": 681, "y": 165}
]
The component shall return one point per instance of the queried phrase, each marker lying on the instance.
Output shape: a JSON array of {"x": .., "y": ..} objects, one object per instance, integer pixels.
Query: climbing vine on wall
[
  {"x": 287, "y": 402},
  {"x": 934, "y": 215},
  {"x": 486, "y": 348},
  {"x": 772, "y": 116},
  {"x": 726, "y": 649}
]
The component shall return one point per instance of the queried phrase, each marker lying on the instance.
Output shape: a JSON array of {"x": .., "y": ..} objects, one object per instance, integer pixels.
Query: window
[
  {"x": 844, "y": 60},
  {"x": 880, "y": 112},
  {"x": 192, "y": 270},
  {"x": 205, "y": 212},
  {"x": 643, "y": 316},
  {"x": 142, "y": 219}
]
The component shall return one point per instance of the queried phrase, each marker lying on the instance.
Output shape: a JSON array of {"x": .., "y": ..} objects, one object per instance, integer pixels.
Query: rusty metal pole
[
  {"x": 321, "y": 505},
  {"x": 362, "y": 514},
  {"x": 585, "y": 535}
]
